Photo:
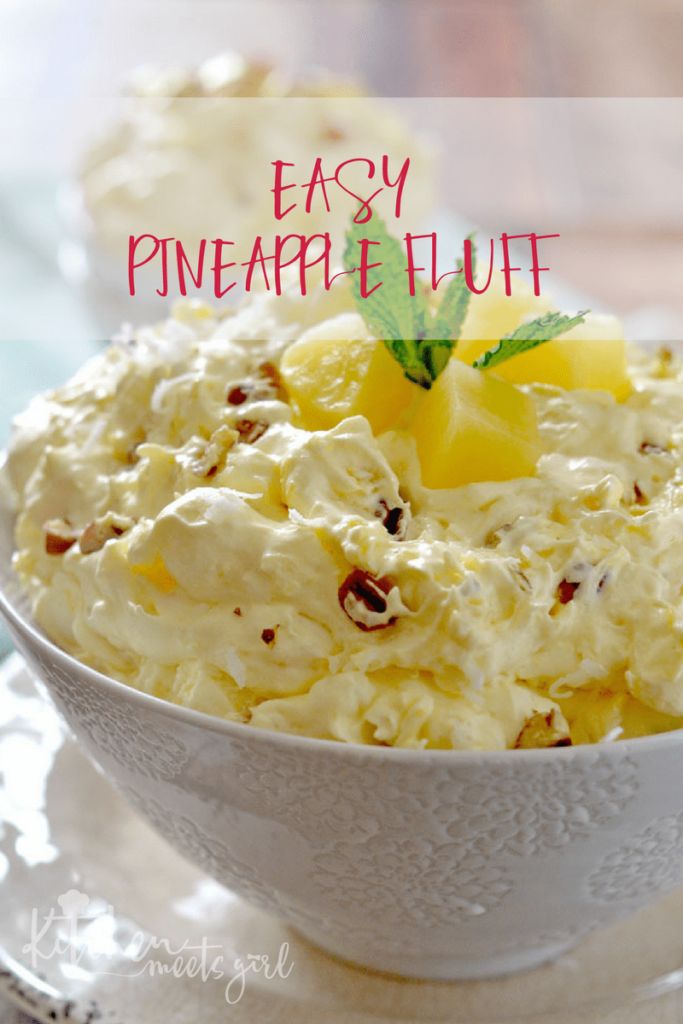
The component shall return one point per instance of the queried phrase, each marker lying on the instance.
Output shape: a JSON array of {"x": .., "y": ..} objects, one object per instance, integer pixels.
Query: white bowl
[{"x": 430, "y": 864}]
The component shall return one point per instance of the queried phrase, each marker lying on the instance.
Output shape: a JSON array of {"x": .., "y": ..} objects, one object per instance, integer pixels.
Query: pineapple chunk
[
  {"x": 336, "y": 369},
  {"x": 157, "y": 573},
  {"x": 493, "y": 314},
  {"x": 592, "y": 355},
  {"x": 595, "y": 713},
  {"x": 472, "y": 426}
]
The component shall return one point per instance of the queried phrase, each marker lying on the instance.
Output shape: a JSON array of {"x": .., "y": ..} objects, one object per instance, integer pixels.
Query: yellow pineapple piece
[
  {"x": 595, "y": 713},
  {"x": 640, "y": 720},
  {"x": 157, "y": 573},
  {"x": 473, "y": 426},
  {"x": 336, "y": 369},
  {"x": 591, "y": 355},
  {"x": 493, "y": 314}
]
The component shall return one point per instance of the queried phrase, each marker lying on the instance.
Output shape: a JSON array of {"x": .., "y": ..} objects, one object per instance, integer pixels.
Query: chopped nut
[
  {"x": 543, "y": 730},
  {"x": 392, "y": 518},
  {"x": 650, "y": 448},
  {"x": 239, "y": 394},
  {"x": 639, "y": 496},
  {"x": 363, "y": 598},
  {"x": 270, "y": 372},
  {"x": 205, "y": 458},
  {"x": 250, "y": 430},
  {"x": 251, "y": 391},
  {"x": 566, "y": 590},
  {"x": 268, "y": 386},
  {"x": 59, "y": 536},
  {"x": 97, "y": 533}
]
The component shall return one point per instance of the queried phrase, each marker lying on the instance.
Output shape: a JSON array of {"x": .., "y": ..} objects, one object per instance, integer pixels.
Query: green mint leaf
[
  {"x": 409, "y": 357},
  {"x": 391, "y": 313},
  {"x": 435, "y": 355},
  {"x": 450, "y": 316},
  {"x": 527, "y": 336}
]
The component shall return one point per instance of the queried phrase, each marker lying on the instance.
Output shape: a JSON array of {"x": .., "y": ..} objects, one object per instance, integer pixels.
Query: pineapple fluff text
[{"x": 257, "y": 516}]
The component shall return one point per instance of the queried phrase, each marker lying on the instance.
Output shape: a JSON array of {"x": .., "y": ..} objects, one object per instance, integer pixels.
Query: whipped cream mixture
[{"x": 177, "y": 531}]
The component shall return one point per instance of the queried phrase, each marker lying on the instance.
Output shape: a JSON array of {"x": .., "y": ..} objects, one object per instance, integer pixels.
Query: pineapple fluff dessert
[{"x": 259, "y": 516}]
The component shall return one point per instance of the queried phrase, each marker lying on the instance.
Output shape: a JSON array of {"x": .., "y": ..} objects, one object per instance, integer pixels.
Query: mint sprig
[
  {"x": 391, "y": 313},
  {"x": 450, "y": 316},
  {"x": 527, "y": 336},
  {"x": 420, "y": 340}
]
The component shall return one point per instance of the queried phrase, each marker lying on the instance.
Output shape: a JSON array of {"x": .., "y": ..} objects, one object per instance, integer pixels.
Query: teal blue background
[{"x": 46, "y": 329}]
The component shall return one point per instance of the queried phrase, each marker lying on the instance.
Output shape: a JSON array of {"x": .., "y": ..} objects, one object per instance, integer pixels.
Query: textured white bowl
[{"x": 430, "y": 864}]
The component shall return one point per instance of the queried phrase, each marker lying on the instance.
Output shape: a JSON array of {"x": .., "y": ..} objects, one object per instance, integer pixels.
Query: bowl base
[
  {"x": 435, "y": 967},
  {"x": 139, "y": 889}
]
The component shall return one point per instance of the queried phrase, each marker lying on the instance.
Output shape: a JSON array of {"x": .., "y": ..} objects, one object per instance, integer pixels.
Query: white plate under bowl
[{"x": 107, "y": 905}]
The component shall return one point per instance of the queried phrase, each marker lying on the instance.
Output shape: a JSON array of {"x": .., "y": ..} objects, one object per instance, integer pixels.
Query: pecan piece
[
  {"x": 363, "y": 598},
  {"x": 239, "y": 394},
  {"x": 267, "y": 386},
  {"x": 59, "y": 536},
  {"x": 543, "y": 730},
  {"x": 639, "y": 497},
  {"x": 270, "y": 372},
  {"x": 650, "y": 448},
  {"x": 566, "y": 590},
  {"x": 251, "y": 391},
  {"x": 271, "y": 378},
  {"x": 97, "y": 533},
  {"x": 392, "y": 518},
  {"x": 250, "y": 430}
]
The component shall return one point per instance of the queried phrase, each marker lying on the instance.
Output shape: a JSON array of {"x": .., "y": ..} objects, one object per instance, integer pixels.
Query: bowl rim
[{"x": 295, "y": 741}]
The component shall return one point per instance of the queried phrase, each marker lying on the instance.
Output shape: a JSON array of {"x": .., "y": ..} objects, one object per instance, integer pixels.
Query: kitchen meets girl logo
[{"x": 87, "y": 933}]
